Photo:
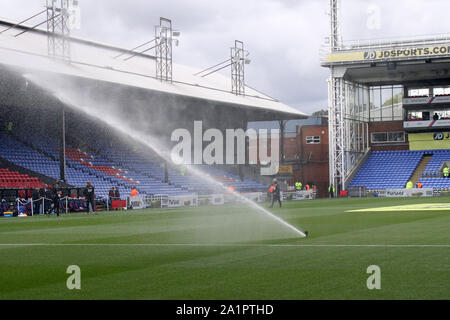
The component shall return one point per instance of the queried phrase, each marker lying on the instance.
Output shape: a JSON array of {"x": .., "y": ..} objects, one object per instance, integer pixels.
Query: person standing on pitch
[
  {"x": 331, "y": 190},
  {"x": 90, "y": 197},
  {"x": 57, "y": 196},
  {"x": 409, "y": 185},
  {"x": 111, "y": 197},
  {"x": 117, "y": 194},
  {"x": 57, "y": 202},
  {"x": 42, "y": 201},
  {"x": 275, "y": 193},
  {"x": 134, "y": 192},
  {"x": 48, "y": 200},
  {"x": 36, "y": 201}
]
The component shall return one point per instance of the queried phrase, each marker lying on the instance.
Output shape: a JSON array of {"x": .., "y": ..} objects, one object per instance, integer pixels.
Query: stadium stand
[
  {"x": 107, "y": 164},
  {"x": 393, "y": 169}
]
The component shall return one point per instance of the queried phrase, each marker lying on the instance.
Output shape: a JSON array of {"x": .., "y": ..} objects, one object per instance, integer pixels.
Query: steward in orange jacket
[{"x": 134, "y": 192}]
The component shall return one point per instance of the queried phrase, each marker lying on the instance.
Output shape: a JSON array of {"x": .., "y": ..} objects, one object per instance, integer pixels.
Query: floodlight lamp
[
  {"x": 176, "y": 33},
  {"x": 247, "y": 61}
]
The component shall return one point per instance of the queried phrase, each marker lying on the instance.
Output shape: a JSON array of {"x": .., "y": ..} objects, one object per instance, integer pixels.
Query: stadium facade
[{"x": 385, "y": 96}]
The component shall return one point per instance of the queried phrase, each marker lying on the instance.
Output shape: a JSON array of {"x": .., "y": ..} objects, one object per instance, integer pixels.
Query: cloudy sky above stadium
[{"x": 286, "y": 38}]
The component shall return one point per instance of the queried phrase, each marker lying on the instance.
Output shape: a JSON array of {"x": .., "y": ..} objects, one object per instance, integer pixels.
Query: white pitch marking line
[{"x": 224, "y": 245}]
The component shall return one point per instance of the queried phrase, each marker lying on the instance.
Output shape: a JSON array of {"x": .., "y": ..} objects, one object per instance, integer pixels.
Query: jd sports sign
[
  {"x": 397, "y": 53},
  {"x": 406, "y": 53},
  {"x": 441, "y": 136}
]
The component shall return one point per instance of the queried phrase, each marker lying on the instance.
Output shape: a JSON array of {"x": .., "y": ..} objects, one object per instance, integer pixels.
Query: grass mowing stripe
[{"x": 225, "y": 245}]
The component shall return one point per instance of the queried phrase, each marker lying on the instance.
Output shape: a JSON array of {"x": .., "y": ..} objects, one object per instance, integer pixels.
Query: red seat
[{"x": 14, "y": 179}]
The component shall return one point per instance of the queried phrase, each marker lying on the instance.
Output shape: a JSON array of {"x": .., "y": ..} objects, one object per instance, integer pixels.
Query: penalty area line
[{"x": 237, "y": 245}]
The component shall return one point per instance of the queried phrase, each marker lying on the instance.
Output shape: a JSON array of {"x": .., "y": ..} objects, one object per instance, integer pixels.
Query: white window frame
[
  {"x": 387, "y": 136},
  {"x": 312, "y": 139}
]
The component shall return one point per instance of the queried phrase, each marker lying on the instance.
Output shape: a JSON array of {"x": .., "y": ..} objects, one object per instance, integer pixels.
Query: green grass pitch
[{"x": 231, "y": 252}]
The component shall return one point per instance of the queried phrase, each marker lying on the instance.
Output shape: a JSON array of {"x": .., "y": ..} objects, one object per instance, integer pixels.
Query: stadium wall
[
  {"x": 313, "y": 157},
  {"x": 309, "y": 161},
  {"x": 290, "y": 148},
  {"x": 387, "y": 126}
]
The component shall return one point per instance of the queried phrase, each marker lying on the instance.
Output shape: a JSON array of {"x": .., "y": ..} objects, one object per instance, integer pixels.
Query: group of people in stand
[
  {"x": 419, "y": 185},
  {"x": 410, "y": 185},
  {"x": 298, "y": 186}
]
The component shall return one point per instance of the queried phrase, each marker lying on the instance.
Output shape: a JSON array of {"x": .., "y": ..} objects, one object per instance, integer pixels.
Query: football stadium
[{"x": 125, "y": 175}]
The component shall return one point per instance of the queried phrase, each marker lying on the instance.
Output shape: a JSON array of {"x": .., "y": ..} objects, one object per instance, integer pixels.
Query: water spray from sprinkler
[{"x": 160, "y": 150}]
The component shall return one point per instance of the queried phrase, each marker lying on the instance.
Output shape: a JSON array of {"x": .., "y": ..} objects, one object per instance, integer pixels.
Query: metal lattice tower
[
  {"x": 237, "y": 68},
  {"x": 348, "y": 103},
  {"x": 335, "y": 31},
  {"x": 336, "y": 131},
  {"x": 163, "y": 36},
  {"x": 58, "y": 30},
  {"x": 336, "y": 108}
]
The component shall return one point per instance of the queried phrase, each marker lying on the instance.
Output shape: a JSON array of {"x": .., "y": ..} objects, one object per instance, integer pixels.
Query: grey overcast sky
[{"x": 284, "y": 37}]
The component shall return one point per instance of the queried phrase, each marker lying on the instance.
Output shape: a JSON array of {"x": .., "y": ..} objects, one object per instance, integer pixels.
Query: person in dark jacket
[
  {"x": 35, "y": 196},
  {"x": 42, "y": 202},
  {"x": 57, "y": 196},
  {"x": 90, "y": 197},
  {"x": 275, "y": 193},
  {"x": 48, "y": 200},
  {"x": 111, "y": 196},
  {"x": 56, "y": 201}
]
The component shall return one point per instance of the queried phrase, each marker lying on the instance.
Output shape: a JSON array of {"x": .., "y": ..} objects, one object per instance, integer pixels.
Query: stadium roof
[
  {"x": 95, "y": 61},
  {"x": 406, "y": 62}
]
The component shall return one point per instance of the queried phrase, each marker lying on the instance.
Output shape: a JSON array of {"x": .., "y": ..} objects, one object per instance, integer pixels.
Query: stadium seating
[
  {"x": 393, "y": 169},
  {"x": 434, "y": 166},
  {"x": 13, "y": 179},
  {"x": 111, "y": 165},
  {"x": 43, "y": 158},
  {"x": 147, "y": 170},
  {"x": 432, "y": 175},
  {"x": 387, "y": 170}
]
